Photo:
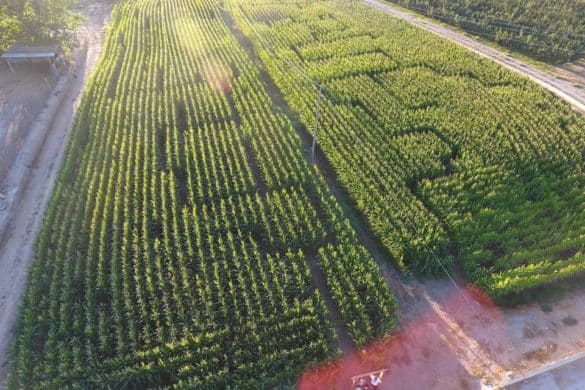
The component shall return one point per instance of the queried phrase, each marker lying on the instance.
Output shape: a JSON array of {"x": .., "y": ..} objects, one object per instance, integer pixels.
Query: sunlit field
[{"x": 265, "y": 194}]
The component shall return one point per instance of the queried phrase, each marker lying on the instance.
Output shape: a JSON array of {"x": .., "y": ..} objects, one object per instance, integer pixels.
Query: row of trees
[{"x": 551, "y": 30}]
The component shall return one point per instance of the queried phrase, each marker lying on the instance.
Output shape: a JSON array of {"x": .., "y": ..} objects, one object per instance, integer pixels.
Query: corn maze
[
  {"x": 177, "y": 246},
  {"x": 452, "y": 159}
]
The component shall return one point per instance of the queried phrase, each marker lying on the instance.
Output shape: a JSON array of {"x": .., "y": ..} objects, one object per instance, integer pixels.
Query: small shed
[{"x": 24, "y": 53}]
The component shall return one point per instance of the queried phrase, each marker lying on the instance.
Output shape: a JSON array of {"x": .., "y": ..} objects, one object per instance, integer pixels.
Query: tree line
[
  {"x": 35, "y": 21},
  {"x": 549, "y": 30}
]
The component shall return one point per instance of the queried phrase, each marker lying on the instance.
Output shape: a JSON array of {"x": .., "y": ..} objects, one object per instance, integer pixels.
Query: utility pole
[{"x": 317, "y": 113}]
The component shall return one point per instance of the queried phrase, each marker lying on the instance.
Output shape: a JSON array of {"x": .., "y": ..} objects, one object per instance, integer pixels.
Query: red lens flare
[{"x": 455, "y": 340}]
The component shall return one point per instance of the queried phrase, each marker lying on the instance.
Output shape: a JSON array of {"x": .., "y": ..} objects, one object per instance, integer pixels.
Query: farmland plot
[
  {"x": 452, "y": 159},
  {"x": 177, "y": 244},
  {"x": 546, "y": 30}
]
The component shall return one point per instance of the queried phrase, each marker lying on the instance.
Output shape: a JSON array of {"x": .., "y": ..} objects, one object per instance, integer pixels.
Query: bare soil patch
[
  {"x": 23, "y": 93},
  {"x": 574, "y": 72},
  {"x": 452, "y": 338}
]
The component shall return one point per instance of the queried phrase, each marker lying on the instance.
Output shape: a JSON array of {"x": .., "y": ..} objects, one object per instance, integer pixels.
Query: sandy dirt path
[
  {"x": 457, "y": 338},
  {"x": 561, "y": 87},
  {"x": 17, "y": 247}
]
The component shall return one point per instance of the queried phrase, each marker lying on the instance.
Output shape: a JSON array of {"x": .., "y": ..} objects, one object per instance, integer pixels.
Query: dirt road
[
  {"x": 560, "y": 86},
  {"x": 27, "y": 209}
]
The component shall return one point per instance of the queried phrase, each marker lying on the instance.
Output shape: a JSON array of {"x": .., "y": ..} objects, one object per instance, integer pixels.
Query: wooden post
[{"x": 313, "y": 157}]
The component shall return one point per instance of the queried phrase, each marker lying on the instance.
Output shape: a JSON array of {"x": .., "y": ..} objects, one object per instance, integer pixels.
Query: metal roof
[{"x": 24, "y": 52}]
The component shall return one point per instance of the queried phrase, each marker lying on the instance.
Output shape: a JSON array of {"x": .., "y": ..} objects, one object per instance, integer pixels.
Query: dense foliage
[
  {"x": 551, "y": 30},
  {"x": 35, "y": 21},
  {"x": 450, "y": 157},
  {"x": 9, "y": 28},
  {"x": 177, "y": 246}
]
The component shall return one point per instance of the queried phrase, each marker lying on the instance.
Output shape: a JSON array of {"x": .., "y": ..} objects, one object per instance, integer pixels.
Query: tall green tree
[
  {"x": 9, "y": 29},
  {"x": 34, "y": 21}
]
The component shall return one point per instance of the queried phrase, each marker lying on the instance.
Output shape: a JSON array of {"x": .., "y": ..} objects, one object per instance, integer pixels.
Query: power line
[{"x": 320, "y": 89}]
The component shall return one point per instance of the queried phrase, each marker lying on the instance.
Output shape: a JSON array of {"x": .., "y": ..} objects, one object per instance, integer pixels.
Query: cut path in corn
[{"x": 345, "y": 345}]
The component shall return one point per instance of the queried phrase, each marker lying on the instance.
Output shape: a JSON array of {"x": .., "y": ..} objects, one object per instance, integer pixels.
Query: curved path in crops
[
  {"x": 565, "y": 373},
  {"x": 561, "y": 87}
]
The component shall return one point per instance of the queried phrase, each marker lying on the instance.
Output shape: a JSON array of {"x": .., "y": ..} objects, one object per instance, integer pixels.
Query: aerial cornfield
[
  {"x": 179, "y": 243},
  {"x": 453, "y": 160},
  {"x": 550, "y": 30}
]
